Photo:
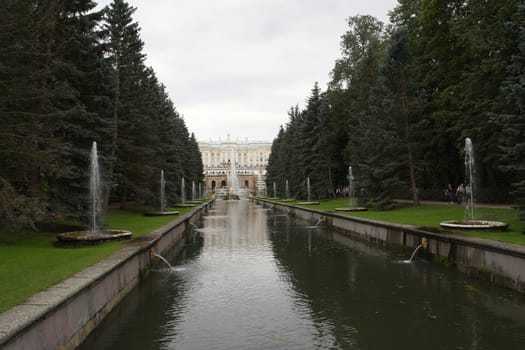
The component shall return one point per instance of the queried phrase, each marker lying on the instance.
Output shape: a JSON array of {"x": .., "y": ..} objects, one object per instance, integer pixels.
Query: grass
[
  {"x": 29, "y": 261},
  {"x": 429, "y": 216}
]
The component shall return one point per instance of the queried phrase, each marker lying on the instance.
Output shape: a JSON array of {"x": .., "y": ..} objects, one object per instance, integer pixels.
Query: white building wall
[{"x": 251, "y": 158}]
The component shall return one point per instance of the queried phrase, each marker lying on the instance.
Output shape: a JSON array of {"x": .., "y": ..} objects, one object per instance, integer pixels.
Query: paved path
[{"x": 478, "y": 205}]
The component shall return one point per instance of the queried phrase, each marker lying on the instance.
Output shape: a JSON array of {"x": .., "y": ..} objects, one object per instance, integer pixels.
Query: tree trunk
[
  {"x": 114, "y": 136},
  {"x": 42, "y": 134},
  {"x": 330, "y": 182},
  {"x": 411, "y": 165}
]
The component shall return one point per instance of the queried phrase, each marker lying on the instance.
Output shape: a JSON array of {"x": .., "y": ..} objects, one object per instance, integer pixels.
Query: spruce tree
[
  {"x": 88, "y": 74},
  {"x": 310, "y": 129},
  {"x": 131, "y": 167},
  {"x": 399, "y": 88},
  {"x": 513, "y": 124},
  {"x": 49, "y": 51},
  {"x": 273, "y": 169},
  {"x": 356, "y": 102}
]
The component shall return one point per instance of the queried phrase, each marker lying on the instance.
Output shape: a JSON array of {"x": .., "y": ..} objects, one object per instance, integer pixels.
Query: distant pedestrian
[
  {"x": 460, "y": 193},
  {"x": 468, "y": 194},
  {"x": 449, "y": 193}
]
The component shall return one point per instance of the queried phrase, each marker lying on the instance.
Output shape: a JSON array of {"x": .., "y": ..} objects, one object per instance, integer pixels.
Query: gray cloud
[{"x": 237, "y": 66}]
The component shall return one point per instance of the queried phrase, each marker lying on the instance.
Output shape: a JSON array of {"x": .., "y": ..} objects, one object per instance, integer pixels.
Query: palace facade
[{"x": 247, "y": 159}]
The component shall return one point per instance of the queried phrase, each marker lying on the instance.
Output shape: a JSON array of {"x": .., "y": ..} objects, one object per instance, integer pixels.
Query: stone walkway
[{"x": 478, "y": 205}]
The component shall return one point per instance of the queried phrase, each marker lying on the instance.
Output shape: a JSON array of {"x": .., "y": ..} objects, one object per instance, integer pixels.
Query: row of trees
[
  {"x": 403, "y": 98},
  {"x": 71, "y": 75}
]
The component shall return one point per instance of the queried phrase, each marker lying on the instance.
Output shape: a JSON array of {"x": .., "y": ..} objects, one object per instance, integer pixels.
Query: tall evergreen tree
[
  {"x": 88, "y": 74},
  {"x": 398, "y": 85},
  {"x": 460, "y": 51},
  {"x": 49, "y": 58},
  {"x": 131, "y": 168},
  {"x": 324, "y": 155},
  {"x": 380, "y": 167},
  {"x": 354, "y": 95},
  {"x": 513, "y": 124},
  {"x": 436, "y": 59},
  {"x": 310, "y": 129},
  {"x": 489, "y": 45},
  {"x": 292, "y": 149},
  {"x": 274, "y": 169},
  {"x": 444, "y": 77},
  {"x": 194, "y": 166},
  {"x": 20, "y": 89},
  {"x": 66, "y": 80}
]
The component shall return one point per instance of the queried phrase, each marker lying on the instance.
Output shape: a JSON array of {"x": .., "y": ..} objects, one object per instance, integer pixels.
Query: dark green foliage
[
  {"x": 193, "y": 168},
  {"x": 403, "y": 99},
  {"x": 131, "y": 143},
  {"x": 304, "y": 151},
  {"x": 400, "y": 97},
  {"x": 88, "y": 73},
  {"x": 286, "y": 162},
  {"x": 314, "y": 145},
  {"x": 513, "y": 123},
  {"x": 43, "y": 111},
  {"x": 359, "y": 108},
  {"x": 70, "y": 76},
  {"x": 17, "y": 210}
]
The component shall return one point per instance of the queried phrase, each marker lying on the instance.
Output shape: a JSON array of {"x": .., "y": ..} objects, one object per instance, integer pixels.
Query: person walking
[
  {"x": 449, "y": 193},
  {"x": 460, "y": 193}
]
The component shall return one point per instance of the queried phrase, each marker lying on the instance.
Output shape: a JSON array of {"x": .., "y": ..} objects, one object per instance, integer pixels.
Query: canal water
[{"x": 255, "y": 279}]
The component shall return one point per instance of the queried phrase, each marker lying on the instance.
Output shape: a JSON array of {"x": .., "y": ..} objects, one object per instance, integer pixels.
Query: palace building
[{"x": 246, "y": 159}]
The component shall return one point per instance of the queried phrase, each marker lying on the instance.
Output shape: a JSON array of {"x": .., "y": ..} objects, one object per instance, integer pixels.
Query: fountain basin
[
  {"x": 475, "y": 225},
  {"x": 352, "y": 209},
  {"x": 92, "y": 237},
  {"x": 161, "y": 213},
  {"x": 309, "y": 203}
]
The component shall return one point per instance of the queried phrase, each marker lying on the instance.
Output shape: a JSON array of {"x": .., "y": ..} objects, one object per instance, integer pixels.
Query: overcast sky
[{"x": 237, "y": 66}]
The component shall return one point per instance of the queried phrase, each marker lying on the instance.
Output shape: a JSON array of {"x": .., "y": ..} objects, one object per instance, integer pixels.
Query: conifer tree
[
  {"x": 130, "y": 168},
  {"x": 23, "y": 149},
  {"x": 513, "y": 124},
  {"x": 50, "y": 61},
  {"x": 310, "y": 129},
  {"x": 398, "y": 87},
  {"x": 88, "y": 74},
  {"x": 356, "y": 97},
  {"x": 194, "y": 165},
  {"x": 69, "y": 76},
  {"x": 293, "y": 149},
  {"x": 274, "y": 169}
]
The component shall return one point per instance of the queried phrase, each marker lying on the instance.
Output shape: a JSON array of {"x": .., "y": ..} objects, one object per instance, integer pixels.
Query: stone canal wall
[
  {"x": 62, "y": 316},
  {"x": 498, "y": 262}
]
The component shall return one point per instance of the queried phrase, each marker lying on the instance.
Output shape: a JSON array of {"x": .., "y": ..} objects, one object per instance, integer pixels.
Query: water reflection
[
  {"x": 262, "y": 281},
  {"x": 240, "y": 225}
]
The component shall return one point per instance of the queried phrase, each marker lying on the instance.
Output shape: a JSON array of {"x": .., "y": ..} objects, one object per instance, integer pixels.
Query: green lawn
[
  {"x": 429, "y": 216},
  {"x": 29, "y": 262}
]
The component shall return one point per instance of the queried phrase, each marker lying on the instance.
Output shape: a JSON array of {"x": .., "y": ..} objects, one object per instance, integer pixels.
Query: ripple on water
[{"x": 244, "y": 288}]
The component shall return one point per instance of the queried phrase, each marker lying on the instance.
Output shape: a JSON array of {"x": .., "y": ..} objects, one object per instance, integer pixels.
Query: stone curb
[{"x": 18, "y": 321}]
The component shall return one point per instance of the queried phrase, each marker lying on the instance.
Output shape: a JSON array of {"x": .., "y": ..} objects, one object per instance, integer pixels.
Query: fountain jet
[
  {"x": 469, "y": 222},
  {"x": 95, "y": 194},
  {"x": 94, "y": 234}
]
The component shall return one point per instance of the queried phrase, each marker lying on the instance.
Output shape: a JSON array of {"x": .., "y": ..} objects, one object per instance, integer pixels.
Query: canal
[{"x": 257, "y": 279}]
